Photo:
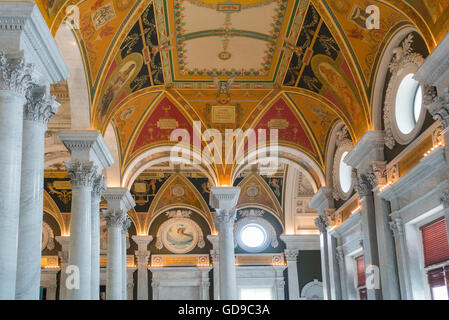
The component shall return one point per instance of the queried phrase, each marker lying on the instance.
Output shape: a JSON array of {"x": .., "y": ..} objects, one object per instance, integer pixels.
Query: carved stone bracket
[
  {"x": 445, "y": 198},
  {"x": 291, "y": 255}
]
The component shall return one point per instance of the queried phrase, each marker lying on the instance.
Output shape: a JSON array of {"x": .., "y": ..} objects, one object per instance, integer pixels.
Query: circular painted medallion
[{"x": 179, "y": 235}]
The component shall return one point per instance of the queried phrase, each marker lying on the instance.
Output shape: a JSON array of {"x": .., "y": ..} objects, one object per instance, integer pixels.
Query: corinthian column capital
[
  {"x": 81, "y": 174},
  {"x": 15, "y": 74},
  {"x": 439, "y": 108},
  {"x": 99, "y": 186},
  {"x": 40, "y": 105},
  {"x": 126, "y": 224},
  {"x": 114, "y": 218},
  {"x": 224, "y": 218}
]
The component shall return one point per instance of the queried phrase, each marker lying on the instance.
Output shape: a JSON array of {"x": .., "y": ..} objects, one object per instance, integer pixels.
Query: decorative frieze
[
  {"x": 15, "y": 74},
  {"x": 81, "y": 174}
]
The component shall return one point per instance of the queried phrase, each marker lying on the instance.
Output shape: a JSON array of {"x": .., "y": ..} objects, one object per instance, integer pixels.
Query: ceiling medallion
[
  {"x": 177, "y": 191},
  {"x": 224, "y": 55}
]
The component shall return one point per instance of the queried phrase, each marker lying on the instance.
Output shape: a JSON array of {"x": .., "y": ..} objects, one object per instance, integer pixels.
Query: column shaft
[
  {"x": 95, "y": 249},
  {"x": 292, "y": 273},
  {"x": 124, "y": 267},
  {"x": 11, "y": 118},
  {"x": 31, "y": 212},
  {"x": 228, "y": 285},
  {"x": 38, "y": 111},
  {"x": 82, "y": 176},
  {"x": 114, "y": 256}
]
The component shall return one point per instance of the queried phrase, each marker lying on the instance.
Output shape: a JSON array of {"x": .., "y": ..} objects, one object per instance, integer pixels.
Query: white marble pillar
[
  {"x": 341, "y": 260},
  {"x": 64, "y": 241},
  {"x": 15, "y": 78},
  {"x": 90, "y": 156},
  {"x": 82, "y": 176},
  {"x": 99, "y": 187},
  {"x": 215, "y": 254},
  {"x": 39, "y": 108},
  {"x": 323, "y": 203},
  {"x": 114, "y": 222},
  {"x": 119, "y": 202},
  {"x": 397, "y": 227},
  {"x": 142, "y": 254},
  {"x": 224, "y": 200},
  {"x": 292, "y": 272},
  {"x": 125, "y": 226}
]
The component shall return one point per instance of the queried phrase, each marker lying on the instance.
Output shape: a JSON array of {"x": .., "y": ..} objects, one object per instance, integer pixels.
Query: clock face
[{"x": 180, "y": 235}]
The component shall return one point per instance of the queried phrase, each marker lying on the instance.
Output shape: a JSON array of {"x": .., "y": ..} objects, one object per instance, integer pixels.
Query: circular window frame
[
  {"x": 339, "y": 193},
  {"x": 268, "y": 229},
  {"x": 392, "y": 132}
]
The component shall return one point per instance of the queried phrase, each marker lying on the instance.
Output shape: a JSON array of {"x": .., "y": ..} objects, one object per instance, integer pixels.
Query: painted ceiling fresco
[{"x": 156, "y": 65}]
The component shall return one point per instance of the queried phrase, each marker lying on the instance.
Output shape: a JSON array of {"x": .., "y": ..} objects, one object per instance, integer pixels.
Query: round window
[
  {"x": 345, "y": 174},
  {"x": 408, "y": 104},
  {"x": 253, "y": 235}
]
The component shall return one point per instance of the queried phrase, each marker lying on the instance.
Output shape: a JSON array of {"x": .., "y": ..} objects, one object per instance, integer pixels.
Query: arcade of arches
[{"x": 224, "y": 149}]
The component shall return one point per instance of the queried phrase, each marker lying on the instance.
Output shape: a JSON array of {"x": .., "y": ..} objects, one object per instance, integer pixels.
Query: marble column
[
  {"x": 387, "y": 256},
  {"x": 39, "y": 108},
  {"x": 63, "y": 263},
  {"x": 397, "y": 227},
  {"x": 340, "y": 257},
  {"x": 90, "y": 156},
  {"x": 15, "y": 78},
  {"x": 98, "y": 188},
  {"x": 323, "y": 203},
  {"x": 292, "y": 273},
  {"x": 125, "y": 226},
  {"x": 369, "y": 237},
  {"x": 224, "y": 200},
  {"x": 142, "y": 254},
  {"x": 215, "y": 254},
  {"x": 82, "y": 176},
  {"x": 114, "y": 222},
  {"x": 119, "y": 202},
  {"x": 24, "y": 36}
]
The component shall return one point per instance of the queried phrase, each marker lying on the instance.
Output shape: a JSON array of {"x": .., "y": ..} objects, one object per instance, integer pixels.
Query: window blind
[{"x": 435, "y": 242}]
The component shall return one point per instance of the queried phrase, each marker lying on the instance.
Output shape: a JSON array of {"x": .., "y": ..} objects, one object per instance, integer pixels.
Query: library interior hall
[{"x": 224, "y": 150}]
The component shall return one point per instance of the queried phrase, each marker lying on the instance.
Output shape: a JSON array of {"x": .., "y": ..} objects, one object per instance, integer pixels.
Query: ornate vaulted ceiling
[{"x": 150, "y": 64}]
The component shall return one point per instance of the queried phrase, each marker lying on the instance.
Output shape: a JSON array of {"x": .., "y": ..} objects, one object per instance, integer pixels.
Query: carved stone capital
[
  {"x": 445, "y": 198},
  {"x": 40, "y": 105},
  {"x": 429, "y": 94},
  {"x": 126, "y": 224},
  {"x": 81, "y": 174},
  {"x": 340, "y": 255},
  {"x": 142, "y": 257},
  {"x": 397, "y": 227},
  {"x": 322, "y": 222},
  {"x": 99, "y": 186},
  {"x": 215, "y": 256},
  {"x": 15, "y": 74},
  {"x": 225, "y": 218},
  {"x": 439, "y": 109},
  {"x": 291, "y": 255},
  {"x": 114, "y": 218},
  {"x": 362, "y": 184}
]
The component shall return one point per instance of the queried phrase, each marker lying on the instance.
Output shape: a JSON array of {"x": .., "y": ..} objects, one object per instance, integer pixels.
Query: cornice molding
[{"x": 24, "y": 28}]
